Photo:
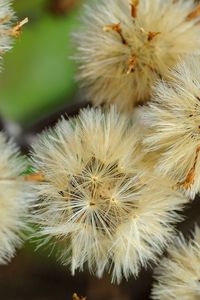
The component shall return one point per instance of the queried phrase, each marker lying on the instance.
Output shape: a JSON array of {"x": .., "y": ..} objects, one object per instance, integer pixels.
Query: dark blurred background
[{"x": 36, "y": 86}]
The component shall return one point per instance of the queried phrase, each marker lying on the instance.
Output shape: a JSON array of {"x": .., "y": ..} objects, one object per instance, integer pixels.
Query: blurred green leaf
[{"x": 24, "y": 5}]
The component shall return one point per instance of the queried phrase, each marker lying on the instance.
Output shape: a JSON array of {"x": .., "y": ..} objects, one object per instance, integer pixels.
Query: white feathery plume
[
  {"x": 124, "y": 46},
  {"x": 178, "y": 275},
  {"x": 148, "y": 229},
  {"x": 7, "y": 30},
  {"x": 95, "y": 201},
  {"x": 172, "y": 126},
  {"x": 14, "y": 199}
]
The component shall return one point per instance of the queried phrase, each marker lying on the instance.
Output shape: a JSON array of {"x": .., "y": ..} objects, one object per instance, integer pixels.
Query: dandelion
[
  {"x": 178, "y": 276},
  {"x": 126, "y": 45},
  {"x": 14, "y": 203},
  {"x": 7, "y": 30},
  {"x": 95, "y": 201},
  {"x": 172, "y": 124}
]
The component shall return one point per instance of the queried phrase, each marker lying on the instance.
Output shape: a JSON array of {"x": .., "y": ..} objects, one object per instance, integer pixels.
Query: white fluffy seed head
[
  {"x": 7, "y": 17},
  {"x": 14, "y": 199},
  {"x": 172, "y": 126},
  {"x": 123, "y": 49},
  {"x": 178, "y": 276},
  {"x": 95, "y": 202}
]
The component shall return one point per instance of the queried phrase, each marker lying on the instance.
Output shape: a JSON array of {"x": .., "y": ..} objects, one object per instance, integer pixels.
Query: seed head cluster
[
  {"x": 94, "y": 198},
  {"x": 112, "y": 183},
  {"x": 125, "y": 46}
]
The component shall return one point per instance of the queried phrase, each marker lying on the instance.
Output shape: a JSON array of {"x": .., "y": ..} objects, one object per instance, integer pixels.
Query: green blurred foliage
[{"x": 38, "y": 74}]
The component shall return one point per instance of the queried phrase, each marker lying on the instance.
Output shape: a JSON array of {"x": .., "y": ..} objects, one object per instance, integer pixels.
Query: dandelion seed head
[
  {"x": 178, "y": 275},
  {"x": 96, "y": 201},
  {"x": 14, "y": 199},
  {"x": 172, "y": 124},
  {"x": 124, "y": 48}
]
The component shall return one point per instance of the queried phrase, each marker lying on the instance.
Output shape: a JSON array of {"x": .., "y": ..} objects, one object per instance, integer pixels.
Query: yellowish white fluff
[
  {"x": 178, "y": 276},
  {"x": 124, "y": 46},
  {"x": 95, "y": 202},
  {"x": 6, "y": 18},
  {"x": 172, "y": 126},
  {"x": 14, "y": 199}
]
